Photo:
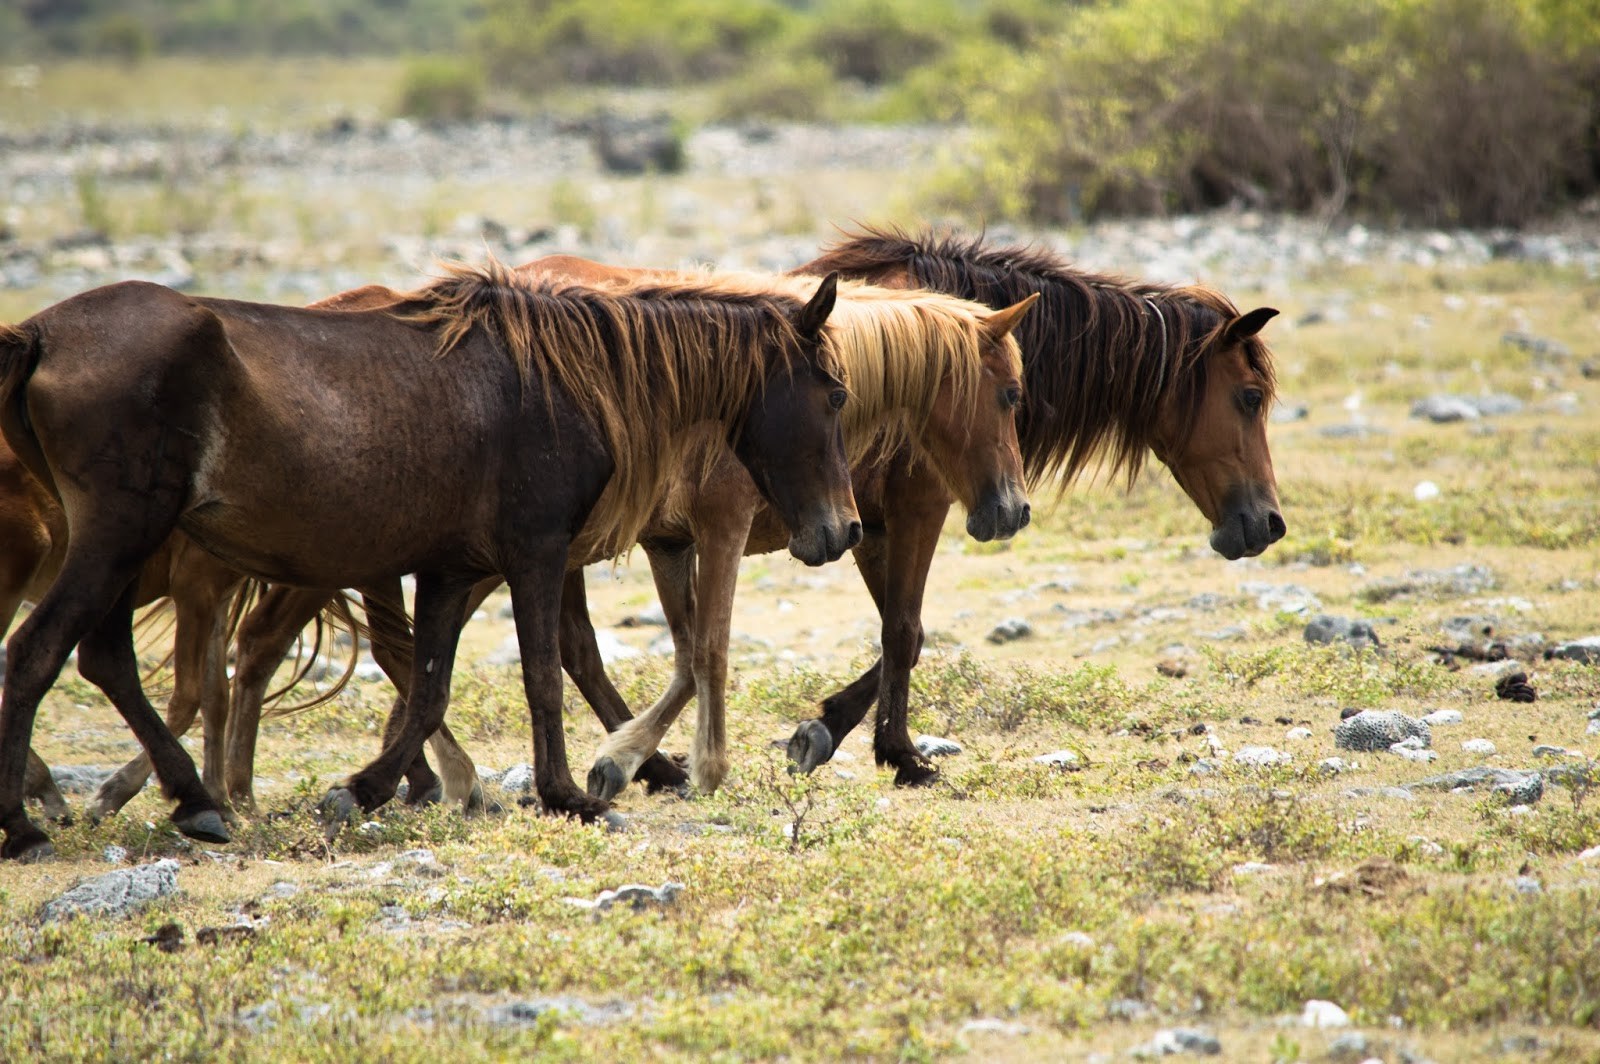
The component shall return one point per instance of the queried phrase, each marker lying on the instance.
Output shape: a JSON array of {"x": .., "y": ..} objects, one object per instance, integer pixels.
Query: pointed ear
[
  {"x": 815, "y": 313},
  {"x": 1247, "y": 325},
  {"x": 999, "y": 324}
]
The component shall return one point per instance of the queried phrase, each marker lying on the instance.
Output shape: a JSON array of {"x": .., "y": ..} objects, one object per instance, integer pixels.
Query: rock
[
  {"x": 1442, "y": 716},
  {"x": 1543, "y": 350},
  {"x": 1323, "y": 1015},
  {"x": 638, "y": 145},
  {"x": 1585, "y": 650},
  {"x": 635, "y": 894},
  {"x": 1326, "y": 630},
  {"x": 1010, "y": 630},
  {"x": 116, "y": 893},
  {"x": 652, "y": 615},
  {"x": 1496, "y": 404},
  {"x": 993, "y": 1025},
  {"x": 528, "y": 1013},
  {"x": 518, "y": 778},
  {"x": 1252, "y": 868},
  {"x": 1412, "y": 752},
  {"x": 79, "y": 779},
  {"x": 1332, "y": 766},
  {"x": 1067, "y": 759},
  {"x": 1527, "y": 885},
  {"x": 1443, "y": 409},
  {"x": 1281, "y": 598},
  {"x": 1077, "y": 939},
  {"x": 1379, "y": 730},
  {"x": 1425, "y": 491},
  {"x": 1591, "y": 854},
  {"x": 1519, "y": 787},
  {"x": 934, "y": 746},
  {"x": 114, "y": 855},
  {"x": 421, "y": 862},
  {"x": 1478, "y": 746},
  {"x": 1349, "y": 1046},
  {"x": 1260, "y": 756},
  {"x": 1170, "y": 1041},
  {"x": 1396, "y": 793},
  {"x": 1296, "y": 735}
]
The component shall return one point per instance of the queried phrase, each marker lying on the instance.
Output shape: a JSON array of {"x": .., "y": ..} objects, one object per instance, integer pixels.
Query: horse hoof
[
  {"x": 28, "y": 850},
  {"x": 660, "y": 773},
  {"x": 431, "y": 796},
  {"x": 614, "y": 821},
  {"x": 337, "y": 808},
  {"x": 810, "y": 746},
  {"x": 606, "y": 780},
  {"x": 205, "y": 826},
  {"x": 914, "y": 774}
]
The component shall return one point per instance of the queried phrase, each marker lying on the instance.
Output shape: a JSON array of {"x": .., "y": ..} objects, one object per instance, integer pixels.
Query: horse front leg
[
  {"x": 580, "y": 657},
  {"x": 536, "y": 605},
  {"x": 625, "y": 751},
  {"x": 440, "y": 608},
  {"x": 913, "y": 532}
]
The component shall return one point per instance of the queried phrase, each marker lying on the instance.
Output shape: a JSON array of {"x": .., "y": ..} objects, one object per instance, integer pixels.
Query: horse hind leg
[{"x": 40, "y": 784}]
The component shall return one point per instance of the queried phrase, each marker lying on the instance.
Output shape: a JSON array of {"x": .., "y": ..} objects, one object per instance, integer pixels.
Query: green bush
[
  {"x": 797, "y": 90},
  {"x": 1446, "y": 111},
  {"x": 543, "y": 44},
  {"x": 441, "y": 90},
  {"x": 879, "y": 41}
]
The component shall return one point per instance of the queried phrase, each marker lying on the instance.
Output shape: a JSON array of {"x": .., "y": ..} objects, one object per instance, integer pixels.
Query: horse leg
[
  {"x": 913, "y": 536},
  {"x": 580, "y": 657},
  {"x": 536, "y": 604},
  {"x": 440, "y": 609},
  {"x": 199, "y": 590},
  {"x": 626, "y": 750},
  {"x": 718, "y": 579},
  {"x": 106, "y": 658},
  {"x": 27, "y": 549},
  {"x": 266, "y": 635},
  {"x": 39, "y": 783},
  {"x": 815, "y": 740}
]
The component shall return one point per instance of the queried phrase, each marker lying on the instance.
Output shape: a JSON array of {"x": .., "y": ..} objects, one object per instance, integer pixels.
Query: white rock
[
  {"x": 1297, "y": 734},
  {"x": 1332, "y": 766},
  {"x": 116, "y": 893},
  {"x": 1591, "y": 854},
  {"x": 1080, "y": 939},
  {"x": 1477, "y": 746},
  {"x": 1425, "y": 490},
  {"x": 935, "y": 746},
  {"x": 1442, "y": 716},
  {"x": 1413, "y": 754},
  {"x": 992, "y": 1025},
  {"x": 1251, "y": 868},
  {"x": 1059, "y": 759},
  {"x": 1260, "y": 756},
  {"x": 1323, "y": 1014}
]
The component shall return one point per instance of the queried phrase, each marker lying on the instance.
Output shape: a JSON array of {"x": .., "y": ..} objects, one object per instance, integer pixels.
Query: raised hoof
[
  {"x": 659, "y": 773},
  {"x": 614, "y": 821},
  {"x": 206, "y": 826},
  {"x": 810, "y": 746},
  {"x": 431, "y": 795},
  {"x": 606, "y": 780},
  {"x": 915, "y": 774},
  {"x": 337, "y": 808}
]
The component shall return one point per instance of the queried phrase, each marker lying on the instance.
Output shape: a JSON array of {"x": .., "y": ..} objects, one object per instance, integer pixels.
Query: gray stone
[
  {"x": 1519, "y": 788},
  {"x": 1379, "y": 730},
  {"x": 636, "y": 895},
  {"x": 1546, "y": 750},
  {"x": 1585, "y": 650},
  {"x": 1354, "y": 430},
  {"x": 1528, "y": 885},
  {"x": 1323, "y": 1014},
  {"x": 1351, "y": 1045},
  {"x": 1443, "y": 409},
  {"x": 1396, "y": 793},
  {"x": 1326, "y": 629},
  {"x": 116, "y": 893},
  {"x": 1010, "y": 630},
  {"x": 1478, "y": 746},
  {"x": 1060, "y": 759},
  {"x": 114, "y": 855},
  {"x": 1260, "y": 756},
  {"x": 1496, "y": 404},
  {"x": 1130, "y": 1009},
  {"x": 528, "y": 1013},
  {"x": 518, "y": 778},
  {"x": 934, "y": 746},
  {"x": 79, "y": 779},
  {"x": 1174, "y": 1040},
  {"x": 994, "y": 1025},
  {"x": 1442, "y": 716},
  {"x": 1332, "y": 766}
]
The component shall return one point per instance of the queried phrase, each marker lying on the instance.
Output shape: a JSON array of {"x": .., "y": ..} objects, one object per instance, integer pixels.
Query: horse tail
[
  {"x": 21, "y": 348},
  {"x": 335, "y": 616}
]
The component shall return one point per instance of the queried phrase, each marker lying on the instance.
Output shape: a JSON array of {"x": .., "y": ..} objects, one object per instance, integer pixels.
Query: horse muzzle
[
  {"x": 1000, "y": 516},
  {"x": 1246, "y": 534},
  {"x": 823, "y": 542}
]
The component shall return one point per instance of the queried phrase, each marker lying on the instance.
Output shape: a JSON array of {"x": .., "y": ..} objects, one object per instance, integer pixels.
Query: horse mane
[
  {"x": 638, "y": 363},
  {"x": 1103, "y": 353}
]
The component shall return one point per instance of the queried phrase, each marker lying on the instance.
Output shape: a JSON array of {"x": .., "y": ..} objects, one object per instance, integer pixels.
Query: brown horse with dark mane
[{"x": 484, "y": 426}]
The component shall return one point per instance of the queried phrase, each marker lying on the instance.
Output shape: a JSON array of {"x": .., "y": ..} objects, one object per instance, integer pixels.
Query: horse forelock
[
  {"x": 1103, "y": 354},
  {"x": 638, "y": 362}
]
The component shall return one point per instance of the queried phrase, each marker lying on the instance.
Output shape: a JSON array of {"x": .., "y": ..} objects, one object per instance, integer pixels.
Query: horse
[
  {"x": 926, "y": 370},
  {"x": 335, "y": 449},
  {"x": 1115, "y": 369}
]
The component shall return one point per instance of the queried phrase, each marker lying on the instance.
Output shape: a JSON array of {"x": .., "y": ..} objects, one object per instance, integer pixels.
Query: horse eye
[
  {"x": 1013, "y": 397},
  {"x": 836, "y": 398},
  {"x": 1252, "y": 401}
]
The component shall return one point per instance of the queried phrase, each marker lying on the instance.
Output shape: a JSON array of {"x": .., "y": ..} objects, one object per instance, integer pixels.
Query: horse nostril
[
  {"x": 1275, "y": 526},
  {"x": 1027, "y": 515},
  {"x": 853, "y": 534}
]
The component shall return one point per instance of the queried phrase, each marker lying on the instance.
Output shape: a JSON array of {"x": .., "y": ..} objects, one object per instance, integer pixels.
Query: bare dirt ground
[{"x": 1188, "y": 876}]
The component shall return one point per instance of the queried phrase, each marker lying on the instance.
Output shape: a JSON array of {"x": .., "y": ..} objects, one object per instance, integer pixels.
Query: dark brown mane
[
  {"x": 633, "y": 361},
  {"x": 1102, "y": 353}
]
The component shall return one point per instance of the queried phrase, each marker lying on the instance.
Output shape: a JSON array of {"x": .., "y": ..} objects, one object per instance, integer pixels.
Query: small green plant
[{"x": 438, "y": 90}]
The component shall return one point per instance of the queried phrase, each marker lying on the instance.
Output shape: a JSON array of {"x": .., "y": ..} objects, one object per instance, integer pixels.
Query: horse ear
[
  {"x": 1247, "y": 325},
  {"x": 815, "y": 313},
  {"x": 999, "y": 324}
]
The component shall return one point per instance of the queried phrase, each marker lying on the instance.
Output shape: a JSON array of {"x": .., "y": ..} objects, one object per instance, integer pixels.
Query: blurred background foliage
[{"x": 1449, "y": 112}]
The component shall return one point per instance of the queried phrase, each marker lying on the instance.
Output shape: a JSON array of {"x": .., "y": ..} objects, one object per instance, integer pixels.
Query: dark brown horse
[
  {"x": 486, "y": 426},
  {"x": 1115, "y": 369},
  {"x": 929, "y": 370}
]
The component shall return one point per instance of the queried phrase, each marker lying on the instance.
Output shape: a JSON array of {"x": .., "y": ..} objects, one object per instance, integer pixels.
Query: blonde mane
[{"x": 640, "y": 363}]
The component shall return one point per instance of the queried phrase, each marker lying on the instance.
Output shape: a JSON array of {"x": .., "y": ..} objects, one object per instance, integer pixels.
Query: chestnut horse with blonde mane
[{"x": 327, "y": 449}]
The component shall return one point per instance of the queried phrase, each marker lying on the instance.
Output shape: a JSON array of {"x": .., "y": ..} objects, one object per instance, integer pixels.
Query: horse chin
[
  {"x": 996, "y": 520},
  {"x": 812, "y": 547},
  {"x": 981, "y": 524},
  {"x": 1228, "y": 541}
]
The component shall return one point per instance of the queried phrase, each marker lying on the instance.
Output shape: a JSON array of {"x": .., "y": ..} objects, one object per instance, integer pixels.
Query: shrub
[
  {"x": 798, "y": 90},
  {"x": 441, "y": 90},
  {"x": 1455, "y": 111},
  {"x": 880, "y": 41}
]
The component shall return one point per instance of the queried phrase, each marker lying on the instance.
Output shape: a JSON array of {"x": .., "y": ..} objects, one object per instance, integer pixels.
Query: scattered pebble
[
  {"x": 116, "y": 893},
  {"x": 518, "y": 778},
  {"x": 934, "y": 746},
  {"x": 993, "y": 1025},
  {"x": 1326, "y": 629},
  {"x": 1171, "y": 1041},
  {"x": 1478, "y": 746},
  {"x": 1323, "y": 1014},
  {"x": 1332, "y": 766},
  {"x": 635, "y": 894},
  {"x": 1068, "y": 759},
  {"x": 1374, "y": 730},
  {"x": 1444, "y": 409},
  {"x": 1010, "y": 630},
  {"x": 114, "y": 855},
  {"x": 1295, "y": 735},
  {"x": 528, "y": 1013},
  {"x": 1442, "y": 716},
  {"x": 1261, "y": 756},
  {"x": 1413, "y": 753}
]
